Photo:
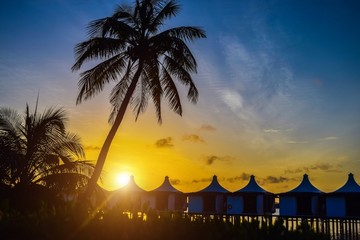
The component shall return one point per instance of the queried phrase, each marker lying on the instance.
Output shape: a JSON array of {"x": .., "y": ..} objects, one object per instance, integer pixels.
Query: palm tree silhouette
[
  {"x": 141, "y": 59},
  {"x": 36, "y": 151}
]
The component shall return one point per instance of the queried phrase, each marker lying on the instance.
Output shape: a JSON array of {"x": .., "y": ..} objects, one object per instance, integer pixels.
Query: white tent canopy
[
  {"x": 350, "y": 186},
  {"x": 131, "y": 186},
  {"x": 252, "y": 187},
  {"x": 305, "y": 187},
  {"x": 214, "y": 187},
  {"x": 166, "y": 187}
]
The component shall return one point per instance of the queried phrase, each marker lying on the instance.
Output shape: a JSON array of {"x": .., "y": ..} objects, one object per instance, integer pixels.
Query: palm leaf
[
  {"x": 171, "y": 92},
  {"x": 184, "y": 77},
  {"x": 92, "y": 81},
  {"x": 99, "y": 47},
  {"x": 163, "y": 11}
]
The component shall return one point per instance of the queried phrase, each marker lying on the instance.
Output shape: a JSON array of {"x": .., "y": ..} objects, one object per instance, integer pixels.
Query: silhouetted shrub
[{"x": 70, "y": 223}]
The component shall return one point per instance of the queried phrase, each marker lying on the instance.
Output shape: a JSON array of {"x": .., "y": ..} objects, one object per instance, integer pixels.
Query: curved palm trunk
[{"x": 106, "y": 146}]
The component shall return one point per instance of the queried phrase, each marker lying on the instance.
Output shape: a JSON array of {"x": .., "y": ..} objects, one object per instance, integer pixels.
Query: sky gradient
[{"x": 279, "y": 85}]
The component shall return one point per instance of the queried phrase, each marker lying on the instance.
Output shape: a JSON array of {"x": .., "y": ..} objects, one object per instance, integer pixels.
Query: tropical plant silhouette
[
  {"x": 143, "y": 61},
  {"x": 38, "y": 155}
]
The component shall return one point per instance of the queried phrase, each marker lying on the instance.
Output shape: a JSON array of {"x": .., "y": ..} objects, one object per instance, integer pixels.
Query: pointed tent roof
[
  {"x": 252, "y": 187},
  {"x": 132, "y": 186},
  {"x": 214, "y": 187},
  {"x": 166, "y": 187},
  {"x": 305, "y": 187},
  {"x": 350, "y": 186}
]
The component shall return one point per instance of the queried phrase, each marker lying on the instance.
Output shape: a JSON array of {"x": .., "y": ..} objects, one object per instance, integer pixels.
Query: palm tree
[
  {"x": 36, "y": 152},
  {"x": 142, "y": 60}
]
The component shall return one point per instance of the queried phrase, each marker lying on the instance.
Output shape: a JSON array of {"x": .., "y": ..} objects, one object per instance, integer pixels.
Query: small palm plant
[{"x": 38, "y": 155}]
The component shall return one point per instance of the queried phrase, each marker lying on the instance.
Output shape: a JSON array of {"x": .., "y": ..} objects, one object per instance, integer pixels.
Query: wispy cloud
[
  {"x": 207, "y": 127},
  {"x": 201, "y": 180},
  {"x": 274, "y": 179},
  {"x": 242, "y": 177},
  {"x": 320, "y": 166},
  {"x": 213, "y": 158},
  {"x": 331, "y": 138},
  {"x": 232, "y": 99},
  {"x": 262, "y": 181},
  {"x": 327, "y": 167},
  {"x": 257, "y": 92},
  {"x": 297, "y": 142},
  {"x": 193, "y": 138},
  {"x": 296, "y": 170},
  {"x": 91, "y": 147},
  {"x": 175, "y": 181},
  {"x": 271, "y": 130},
  {"x": 164, "y": 143}
]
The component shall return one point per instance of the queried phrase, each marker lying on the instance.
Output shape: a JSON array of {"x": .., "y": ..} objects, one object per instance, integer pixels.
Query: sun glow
[{"x": 122, "y": 179}]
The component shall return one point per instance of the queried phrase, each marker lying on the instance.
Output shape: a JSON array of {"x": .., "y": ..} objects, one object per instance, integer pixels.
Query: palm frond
[
  {"x": 112, "y": 27},
  {"x": 65, "y": 182},
  {"x": 9, "y": 119},
  {"x": 185, "y": 78},
  {"x": 118, "y": 92},
  {"x": 140, "y": 102},
  {"x": 175, "y": 48},
  {"x": 84, "y": 168},
  {"x": 69, "y": 145},
  {"x": 52, "y": 120},
  {"x": 163, "y": 11},
  {"x": 171, "y": 92},
  {"x": 10, "y": 129},
  {"x": 124, "y": 13},
  {"x": 186, "y": 33},
  {"x": 153, "y": 74},
  {"x": 97, "y": 48},
  {"x": 92, "y": 81}
]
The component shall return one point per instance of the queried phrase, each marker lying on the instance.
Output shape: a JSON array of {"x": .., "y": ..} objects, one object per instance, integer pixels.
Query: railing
[{"x": 336, "y": 228}]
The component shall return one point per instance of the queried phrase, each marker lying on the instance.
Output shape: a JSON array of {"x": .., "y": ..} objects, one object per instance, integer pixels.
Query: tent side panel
[
  {"x": 315, "y": 205},
  {"x": 335, "y": 207},
  {"x": 171, "y": 202},
  {"x": 235, "y": 205},
  {"x": 195, "y": 204},
  {"x": 148, "y": 202},
  {"x": 220, "y": 204},
  {"x": 287, "y": 206},
  {"x": 260, "y": 204}
]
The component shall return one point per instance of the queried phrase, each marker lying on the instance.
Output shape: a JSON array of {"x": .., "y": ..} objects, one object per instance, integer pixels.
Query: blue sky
[{"x": 279, "y": 85}]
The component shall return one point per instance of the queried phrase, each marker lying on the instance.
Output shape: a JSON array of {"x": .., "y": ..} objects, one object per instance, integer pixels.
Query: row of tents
[{"x": 304, "y": 200}]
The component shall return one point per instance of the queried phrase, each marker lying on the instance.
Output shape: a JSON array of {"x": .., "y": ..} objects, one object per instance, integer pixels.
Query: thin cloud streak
[
  {"x": 240, "y": 178},
  {"x": 327, "y": 167},
  {"x": 193, "y": 138},
  {"x": 91, "y": 147},
  {"x": 164, "y": 143},
  {"x": 329, "y": 138},
  {"x": 213, "y": 158},
  {"x": 207, "y": 127},
  {"x": 297, "y": 142},
  {"x": 271, "y": 130}
]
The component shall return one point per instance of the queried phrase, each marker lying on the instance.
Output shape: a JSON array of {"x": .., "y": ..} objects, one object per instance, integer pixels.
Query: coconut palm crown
[{"x": 143, "y": 60}]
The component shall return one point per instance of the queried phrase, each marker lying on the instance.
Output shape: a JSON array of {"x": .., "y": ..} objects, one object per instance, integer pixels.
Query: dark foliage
[{"x": 68, "y": 223}]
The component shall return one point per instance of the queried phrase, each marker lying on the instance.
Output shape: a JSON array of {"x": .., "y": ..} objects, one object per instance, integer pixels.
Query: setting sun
[{"x": 122, "y": 179}]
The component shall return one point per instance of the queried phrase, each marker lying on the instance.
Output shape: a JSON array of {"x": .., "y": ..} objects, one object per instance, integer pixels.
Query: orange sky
[
  {"x": 191, "y": 149},
  {"x": 278, "y": 81}
]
